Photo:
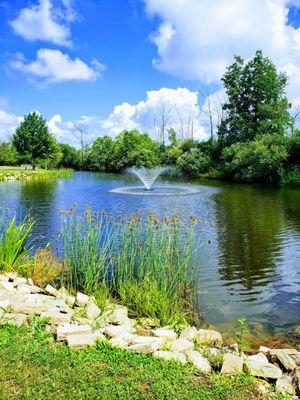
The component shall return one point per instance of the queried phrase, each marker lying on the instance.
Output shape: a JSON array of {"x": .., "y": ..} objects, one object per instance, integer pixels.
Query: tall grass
[
  {"x": 142, "y": 261},
  {"x": 14, "y": 244}
]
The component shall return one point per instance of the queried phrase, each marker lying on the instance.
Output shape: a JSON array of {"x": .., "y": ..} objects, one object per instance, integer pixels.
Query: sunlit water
[{"x": 248, "y": 257}]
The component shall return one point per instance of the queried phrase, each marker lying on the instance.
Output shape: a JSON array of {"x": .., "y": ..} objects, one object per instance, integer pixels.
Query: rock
[
  {"x": 232, "y": 364},
  {"x": 82, "y": 340},
  {"x": 149, "y": 322},
  {"x": 119, "y": 341},
  {"x": 285, "y": 385},
  {"x": 181, "y": 345},
  {"x": 3, "y": 278},
  {"x": 263, "y": 389},
  {"x": 30, "y": 282},
  {"x": 64, "y": 330},
  {"x": 199, "y": 362},
  {"x": 92, "y": 310},
  {"x": 7, "y": 286},
  {"x": 258, "y": 365},
  {"x": 51, "y": 290},
  {"x": 209, "y": 338},
  {"x": 284, "y": 359},
  {"x": 11, "y": 275},
  {"x": 56, "y": 316},
  {"x": 297, "y": 380},
  {"x": 165, "y": 333},
  {"x": 20, "y": 281},
  {"x": 116, "y": 314},
  {"x": 264, "y": 349},
  {"x": 24, "y": 288},
  {"x": 189, "y": 333},
  {"x": 170, "y": 356},
  {"x": 146, "y": 344},
  {"x": 13, "y": 319},
  {"x": 118, "y": 330},
  {"x": 70, "y": 300},
  {"x": 81, "y": 299},
  {"x": 34, "y": 308},
  {"x": 5, "y": 304}
]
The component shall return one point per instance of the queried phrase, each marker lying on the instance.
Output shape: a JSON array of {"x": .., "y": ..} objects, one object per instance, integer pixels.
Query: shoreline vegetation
[
  {"x": 12, "y": 174},
  {"x": 124, "y": 287}
]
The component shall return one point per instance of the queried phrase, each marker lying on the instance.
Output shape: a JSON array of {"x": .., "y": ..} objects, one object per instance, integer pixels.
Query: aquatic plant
[
  {"x": 14, "y": 244},
  {"x": 141, "y": 260}
]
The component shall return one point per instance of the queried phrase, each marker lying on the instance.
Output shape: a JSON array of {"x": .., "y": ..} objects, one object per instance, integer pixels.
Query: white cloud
[
  {"x": 198, "y": 38},
  {"x": 8, "y": 124},
  {"x": 177, "y": 108},
  {"x": 54, "y": 66},
  {"x": 45, "y": 23},
  {"x": 67, "y": 132}
]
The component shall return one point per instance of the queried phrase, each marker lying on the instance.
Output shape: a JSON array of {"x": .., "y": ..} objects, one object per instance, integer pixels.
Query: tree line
[{"x": 256, "y": 137}]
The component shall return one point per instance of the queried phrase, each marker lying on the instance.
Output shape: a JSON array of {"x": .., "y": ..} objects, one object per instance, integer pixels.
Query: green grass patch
[
  {"x": 22, "y": 174},
  {"x": 34, "y": 367}
]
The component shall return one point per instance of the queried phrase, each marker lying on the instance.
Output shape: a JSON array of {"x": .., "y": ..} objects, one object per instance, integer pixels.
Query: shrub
[
  {"x": 258, "y": 161},
  {"x": 45, "y": 267},
  {"x": 14, "y": 249},
  {"x": 193, "y": 163}
]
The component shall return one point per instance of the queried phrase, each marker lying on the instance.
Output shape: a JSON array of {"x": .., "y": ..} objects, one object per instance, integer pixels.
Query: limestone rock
[
  {"x": 170, "y": 356},
  {"x": 146, "y": 344},
  {"x": 209, "y": 338},
  {"x": 19, "y": 281},
  {"x": 92, "y": 310},
  {"x": 7, "y": 286},
  {"x": 258, "y": 365},
  {"x": 199, "y": 362},
  {"x": 13, "y": 319},
  {"x": 149, "y": 322},
  {"x": 287, "y": 362},
  {"x": 3, "y": 278},
  {"x": 285, "y": 385},
  {"x": 70, "y": 300},
  {"x": 189, "y": 333},
  {"x": 232, "y": 364},
  {"x": 119, "y": 341},
  {"x": 56, "y": 316},
  {"x": 82, "y": 299},
  {"x": 11, "y": 275},
  {"x": 165, "y": 333},
  {"x": 64, "y": 330},
  {"x": 5, "y": 304},
  {"x": 82, "y": 340},
  {"x": 181, "y": 345},
  {"x": 24, "y": 288},
  {"x": 118, "y": 330},
  {"x": 116, "y": 314},
  {"x": 51, "y": 290}
]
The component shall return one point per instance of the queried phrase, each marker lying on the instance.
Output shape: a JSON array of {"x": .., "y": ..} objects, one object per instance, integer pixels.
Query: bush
[
  {"x": 193, "y": 163},
  {"x": 45, "y": 267},
  {"x": 14, "y": 250},
  {"x": 258, "y": 161}
]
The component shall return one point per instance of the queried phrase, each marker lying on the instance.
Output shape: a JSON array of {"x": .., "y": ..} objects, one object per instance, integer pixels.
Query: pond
[{"x": 248, "y": 260}]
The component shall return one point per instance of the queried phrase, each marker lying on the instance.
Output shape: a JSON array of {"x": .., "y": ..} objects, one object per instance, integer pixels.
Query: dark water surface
[{"x": 249, "y": 262}]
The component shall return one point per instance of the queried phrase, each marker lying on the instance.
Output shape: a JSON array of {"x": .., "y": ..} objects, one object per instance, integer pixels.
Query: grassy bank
[
  {"x": 22, "y": 174},
  {"x": 34, "y": 367}
]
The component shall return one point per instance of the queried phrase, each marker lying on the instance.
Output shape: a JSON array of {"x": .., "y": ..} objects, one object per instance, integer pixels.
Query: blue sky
[{"x": 126, "y": 48}]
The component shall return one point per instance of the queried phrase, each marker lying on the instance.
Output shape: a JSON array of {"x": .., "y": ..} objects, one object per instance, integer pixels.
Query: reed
[
  {"x": 14, "y": 244},
  {"x": 142, "y": 260}
]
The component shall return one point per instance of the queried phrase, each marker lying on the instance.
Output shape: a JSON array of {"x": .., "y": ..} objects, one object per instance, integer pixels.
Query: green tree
[
  {"x": 193, "y": 163},
  {"x": 102, "y": 156},
  {"x": 257, "y": 104},
  {"x": 261, "y": 161},
  {"x": 131, "y": 144},
  {"x": 8, "y": 154},
  {"x": 33, "y": 141},
  {"x": 70, "y": 157}
]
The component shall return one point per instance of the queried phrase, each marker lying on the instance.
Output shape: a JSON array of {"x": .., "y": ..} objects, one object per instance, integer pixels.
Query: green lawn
[
  {"x": 34, "y": 367},
  {"x": 15, "y": 173}
]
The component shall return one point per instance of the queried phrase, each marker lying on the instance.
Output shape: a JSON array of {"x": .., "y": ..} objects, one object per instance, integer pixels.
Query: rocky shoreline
[{"x": 78, "y": 321}]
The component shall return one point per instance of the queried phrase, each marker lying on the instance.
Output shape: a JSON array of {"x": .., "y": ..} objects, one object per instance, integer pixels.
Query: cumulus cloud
[
  {"x": 198, "y": 38},
  {"x": 67, "y": 131},
  {"x": 8, "y": 123},
  {"x": 52, "y": 66},
  {"x": 45, "y": 23},
  {"x": 162, "y": 109}
]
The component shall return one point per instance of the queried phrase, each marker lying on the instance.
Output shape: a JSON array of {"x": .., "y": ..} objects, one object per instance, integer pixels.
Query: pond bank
[
  {"x": 78, "y": 321},
  {"x": 13, "y": 174}
]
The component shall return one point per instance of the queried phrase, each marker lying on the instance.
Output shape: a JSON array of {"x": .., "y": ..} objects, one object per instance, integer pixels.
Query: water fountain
[{"x": 148, "y": 177}]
